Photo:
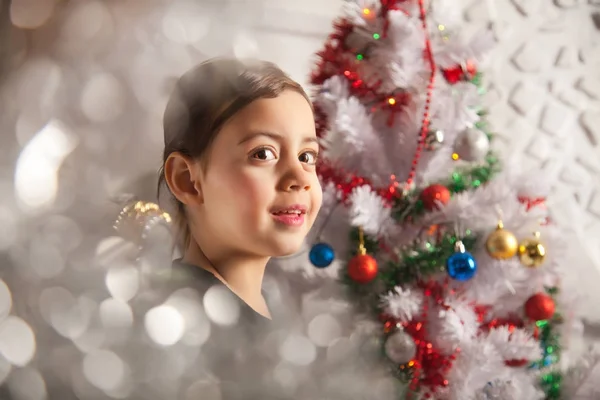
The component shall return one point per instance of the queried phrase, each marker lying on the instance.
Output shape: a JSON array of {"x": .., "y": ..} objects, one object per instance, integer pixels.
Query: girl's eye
[
  {"x": 264, "y": 154},
  {"x": 308, "y": 157}
]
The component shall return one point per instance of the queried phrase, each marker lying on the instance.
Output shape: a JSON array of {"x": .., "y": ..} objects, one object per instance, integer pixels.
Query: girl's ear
[{"x": 182, "y": 175}]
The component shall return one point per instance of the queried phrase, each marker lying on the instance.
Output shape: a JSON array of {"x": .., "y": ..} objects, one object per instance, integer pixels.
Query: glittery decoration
[
  {"x": 362, "y": 268},
  {"x": 137, "y": 218},
  {"x": 461, "y": 266},
  {"x": 532, "y": 252},
  {"x": 400, "y": 347},
  {"x": 434, "y": 195},
  {"x": 539, "y": 307},
  {"x": 472, "y": 145},
  {"x": 321, "y": 255},
  {"x": 501, "y": 244}
]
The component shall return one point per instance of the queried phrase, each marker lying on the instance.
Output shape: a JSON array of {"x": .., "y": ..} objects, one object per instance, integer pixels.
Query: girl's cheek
[
  {"x": 234, "y": 181},
  {"x": 251, "y": 189}
]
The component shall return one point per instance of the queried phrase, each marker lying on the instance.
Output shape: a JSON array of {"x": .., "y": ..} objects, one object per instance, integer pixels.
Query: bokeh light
[
  {"x": 165, "y": 325},
  {"x": 36, "y": 175}
]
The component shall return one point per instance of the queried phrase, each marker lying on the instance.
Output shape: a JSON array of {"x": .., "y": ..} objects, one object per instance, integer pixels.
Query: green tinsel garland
[
  {"x": 420, "y": 261},
  {"x": 410, "y": 207}
]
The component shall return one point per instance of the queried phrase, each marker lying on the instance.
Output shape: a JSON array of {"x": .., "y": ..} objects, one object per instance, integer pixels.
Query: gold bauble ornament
[
  {"x": 138, "y": 217},
  {"x": 532, "y": 252},
  {"x": 501, "y": 244}
]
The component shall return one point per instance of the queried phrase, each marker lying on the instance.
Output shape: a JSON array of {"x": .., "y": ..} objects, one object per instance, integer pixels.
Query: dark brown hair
[{"x": 204, "y": 99}]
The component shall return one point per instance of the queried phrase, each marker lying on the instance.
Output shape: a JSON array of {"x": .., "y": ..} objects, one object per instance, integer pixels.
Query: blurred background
[{"x": 83, "y": 85}]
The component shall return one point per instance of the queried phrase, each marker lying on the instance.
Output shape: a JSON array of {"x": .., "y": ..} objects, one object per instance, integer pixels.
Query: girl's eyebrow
[{"x": 275, "y": 136}]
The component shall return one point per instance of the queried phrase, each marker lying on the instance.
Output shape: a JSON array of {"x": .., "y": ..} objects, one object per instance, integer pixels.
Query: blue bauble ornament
[
  {"x": 461, "y": 265},
  {"x": 321, "y": 255}
]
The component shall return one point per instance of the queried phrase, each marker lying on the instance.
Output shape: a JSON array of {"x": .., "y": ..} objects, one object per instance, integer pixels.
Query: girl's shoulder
[{"x": 188, "y": 275}]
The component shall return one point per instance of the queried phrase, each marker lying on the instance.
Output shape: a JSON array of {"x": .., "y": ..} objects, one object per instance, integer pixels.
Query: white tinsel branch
[
  {"x": 402, "y": 303},
  {"x": 452, "y": 325},
  {"x": 516, "y": 386},
  {"x": 515, "y": 345},
  {"x": 368, "y": 210}
]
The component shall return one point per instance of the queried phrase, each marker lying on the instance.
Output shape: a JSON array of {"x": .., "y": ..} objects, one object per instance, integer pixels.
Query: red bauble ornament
[
  {"x": 362, "y": 268},
  {"x": 539, "y": 307},
  {"x": 431, "y": 195}
]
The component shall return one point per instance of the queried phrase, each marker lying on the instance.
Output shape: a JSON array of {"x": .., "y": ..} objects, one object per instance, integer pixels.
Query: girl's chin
[{"x": 287, "y": 248}]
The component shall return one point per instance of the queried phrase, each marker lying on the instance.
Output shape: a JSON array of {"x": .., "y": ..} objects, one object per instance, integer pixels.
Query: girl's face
[{"x": 260, "y": 189}]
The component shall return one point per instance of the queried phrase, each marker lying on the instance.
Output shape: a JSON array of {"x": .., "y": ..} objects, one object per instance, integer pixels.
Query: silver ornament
[
  {"x": 400, "y": 347},
  {"x": 472, "y": 145},
  {"x": 434, "y": 140}
]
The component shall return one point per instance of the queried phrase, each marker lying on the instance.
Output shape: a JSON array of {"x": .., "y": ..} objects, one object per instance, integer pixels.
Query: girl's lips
[
  {"x": 293, "y": 220},
  {"x": 298, "y": 208}
]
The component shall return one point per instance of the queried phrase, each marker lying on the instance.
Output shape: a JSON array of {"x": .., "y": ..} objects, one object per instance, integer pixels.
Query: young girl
[{"x": 239, "y": 161}]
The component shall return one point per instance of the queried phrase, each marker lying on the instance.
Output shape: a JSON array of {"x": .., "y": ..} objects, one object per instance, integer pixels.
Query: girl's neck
[{"x": 242, "y": 275}]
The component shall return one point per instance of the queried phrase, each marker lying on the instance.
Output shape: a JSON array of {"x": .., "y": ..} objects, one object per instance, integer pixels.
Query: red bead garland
[{"x": 425, "y": 120}]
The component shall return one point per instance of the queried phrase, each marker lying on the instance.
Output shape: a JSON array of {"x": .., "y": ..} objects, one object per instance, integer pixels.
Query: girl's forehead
[{"x": 283, "y": 116}]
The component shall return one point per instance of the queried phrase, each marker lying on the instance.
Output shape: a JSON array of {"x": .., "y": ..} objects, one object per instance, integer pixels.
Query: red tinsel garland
[
  {"x": 435, "y": 364},
  {"x": 346, "y": 182},
  {"x": 336, "y": 60}
]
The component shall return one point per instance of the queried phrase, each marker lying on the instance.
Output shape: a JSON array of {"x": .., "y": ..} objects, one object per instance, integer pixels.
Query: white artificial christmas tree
[{"x": 452, "y": 252}]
